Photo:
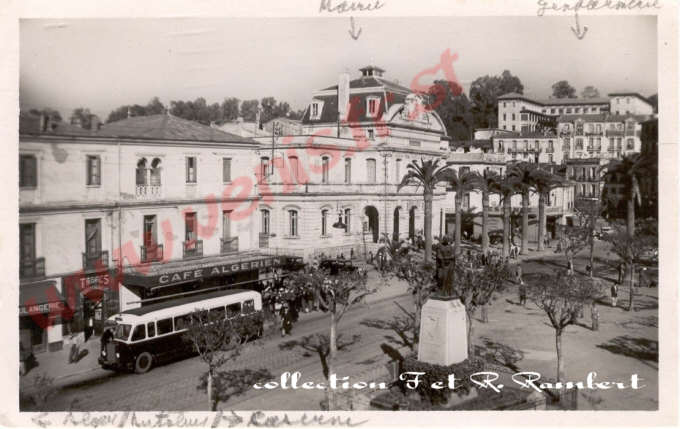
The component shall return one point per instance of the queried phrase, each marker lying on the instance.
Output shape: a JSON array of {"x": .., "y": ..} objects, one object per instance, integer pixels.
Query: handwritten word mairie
[{"x": 346, "y": 6}]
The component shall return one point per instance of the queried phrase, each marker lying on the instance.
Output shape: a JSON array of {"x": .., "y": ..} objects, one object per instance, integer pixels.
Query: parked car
[
  {"x": 495, "y": 237},
  {"x": 335, "y": 266}
]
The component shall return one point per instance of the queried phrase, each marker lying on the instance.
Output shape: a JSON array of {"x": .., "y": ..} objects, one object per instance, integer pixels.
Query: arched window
[
  {"x": 630, "y": 144},
  {"x": 265, "y": 222},
  {"x": 156, "y": 172},
  {"x": 348, "y": 170},
  {"x": 324, "y": 222},
  {"x": 141, "y": 172},
  {"x": 324, "y": 169},
  {"x": 348, "y": 218},
  {"x": 370, "y": 170},
  {"x": 293, "y": 223}
]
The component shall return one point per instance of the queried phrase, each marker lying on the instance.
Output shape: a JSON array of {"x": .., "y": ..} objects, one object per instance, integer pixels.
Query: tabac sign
[{"x": 198, "y": 273}]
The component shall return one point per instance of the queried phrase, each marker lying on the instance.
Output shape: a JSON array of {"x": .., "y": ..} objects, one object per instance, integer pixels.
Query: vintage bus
[{"x": 148, "y": 335}]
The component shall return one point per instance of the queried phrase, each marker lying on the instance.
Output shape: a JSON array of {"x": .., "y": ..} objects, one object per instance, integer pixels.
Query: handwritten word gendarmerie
[
  {"x": 566, "y": 6},
  {"x": 345, "y": 6}
]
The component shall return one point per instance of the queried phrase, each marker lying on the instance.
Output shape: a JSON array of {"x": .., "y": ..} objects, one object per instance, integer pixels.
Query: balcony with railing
[
  {"x": 148, "y": 192},
  {"x": 192, "y": 248},
  {"x": 228, "y": 245},
  {"x": 32, "y": 268},
  {"x": 614, "y": 133},
  {"x": 152, "y": 253},
  {"x": 93, "y": 261}
]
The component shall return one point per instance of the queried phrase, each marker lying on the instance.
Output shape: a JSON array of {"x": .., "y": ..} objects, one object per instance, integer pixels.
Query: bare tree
[
  {"x": 573, "y": 239},
  {"x": 476, "y": 286},
  {"x": 336, "y": 295},
  {"x": 630, "y": 249},
  {"x": 218, "y": 340},
  {"x": 561, "y": 296}
]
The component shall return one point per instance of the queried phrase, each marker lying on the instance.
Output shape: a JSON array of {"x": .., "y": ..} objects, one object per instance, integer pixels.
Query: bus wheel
[{"x": 143, "y": 363}]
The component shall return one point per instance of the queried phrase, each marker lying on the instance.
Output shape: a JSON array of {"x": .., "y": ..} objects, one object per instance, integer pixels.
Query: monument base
[{"x": 443, "y": 332}]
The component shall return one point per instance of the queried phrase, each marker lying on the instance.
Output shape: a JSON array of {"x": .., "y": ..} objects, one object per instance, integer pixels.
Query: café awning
[
  {"x": 174, "y": 273},
  {"x": 40, "y": 298}
]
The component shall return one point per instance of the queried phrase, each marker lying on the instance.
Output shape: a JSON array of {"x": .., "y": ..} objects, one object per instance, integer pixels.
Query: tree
[
  {"x": 628, "y": 172},
  {"x": 154, "y": 107},
  {"x": 218, "y": 340},
  {"x": 420, "y": 278},
  {"x": 336, "y": 295},
  {"x": 249, "y": 110},
  {"x": 268, "y": 105},
  {"x": 52, "y": 114},
  {"x": 476, "y": 285},
  {"x": 484, "y": 93},
  {"x": 296, "y": 114},
  {"x": 562, "y": 89},
  {"x": 81, "y": 116},
  {"x": 573, "y": 239},
  {"x": 230, "y": 109},
  {"x": 506, "y": 187},
  {"x": 590, "y": 92},
  {"x": 589, "y": 212},
  {"x": 562, "y": 296},
  {"x": 630, "y": 249},
  {"x": 462, "y": 182},
  {"x": 455, "y": 109},
  {"x": 428, "y": 174},
  {"x": 654, "y": 101},
  {"x": 320, "y": 344},
  {"x": 544, "y": 182},
  {"x": 487, "y": 185},
  {"x": 522, "y": 173}
]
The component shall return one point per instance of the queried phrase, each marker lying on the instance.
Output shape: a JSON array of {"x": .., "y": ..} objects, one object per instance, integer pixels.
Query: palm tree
[
  {"x": 544, "y": 182},
  {"x": 628, "y": 172},
  {"x": 426, "y": 173},
  {"x": 521, "y": 171},
  {"x": 506, "y": 187},
  {"x": 487, "y": 186},
  {"x": 462, "y": 182}
]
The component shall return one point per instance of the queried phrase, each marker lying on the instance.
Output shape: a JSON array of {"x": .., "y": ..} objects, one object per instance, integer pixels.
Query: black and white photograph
[{"x": 277, "y": 220}]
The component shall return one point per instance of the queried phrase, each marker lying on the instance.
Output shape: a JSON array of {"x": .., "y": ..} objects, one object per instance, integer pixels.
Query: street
[{"x": 517, "y": 337}]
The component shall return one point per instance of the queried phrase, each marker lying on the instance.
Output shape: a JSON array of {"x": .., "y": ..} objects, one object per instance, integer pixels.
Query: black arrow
[
  {"x": 352, "y": 32},
  {"x": 577, "y": 31}
]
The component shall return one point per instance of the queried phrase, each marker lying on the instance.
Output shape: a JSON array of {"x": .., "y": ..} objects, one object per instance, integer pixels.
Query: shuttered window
[{"x": 28, "y": 171}]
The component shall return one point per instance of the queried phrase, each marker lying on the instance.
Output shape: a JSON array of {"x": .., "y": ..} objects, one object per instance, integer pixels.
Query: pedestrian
[
  {"x": 615, "y": 294},
  {"x": 522, "y": 294}
]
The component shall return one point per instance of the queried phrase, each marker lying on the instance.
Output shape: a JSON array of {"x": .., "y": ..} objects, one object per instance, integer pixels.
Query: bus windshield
[{"x": 122, "y": 331}]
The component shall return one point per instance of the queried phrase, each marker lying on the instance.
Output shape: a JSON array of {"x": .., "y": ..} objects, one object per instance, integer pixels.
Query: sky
[{"x": 101, "y": 64}]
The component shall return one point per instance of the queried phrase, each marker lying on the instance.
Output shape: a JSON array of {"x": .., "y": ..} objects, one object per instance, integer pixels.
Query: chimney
[{"x": 343, "y": 96}]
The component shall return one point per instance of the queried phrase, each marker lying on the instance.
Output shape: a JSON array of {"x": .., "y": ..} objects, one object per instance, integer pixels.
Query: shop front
[
  {"x": 93, "y": 297},
  {"x": 41, "y": 311},
  {"x": 147, "y": 285}
]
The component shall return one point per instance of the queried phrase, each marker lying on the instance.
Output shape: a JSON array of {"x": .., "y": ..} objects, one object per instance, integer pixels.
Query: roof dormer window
[
  {"x": 372, "y": 106},
  {"x": 315, "y": 109}
]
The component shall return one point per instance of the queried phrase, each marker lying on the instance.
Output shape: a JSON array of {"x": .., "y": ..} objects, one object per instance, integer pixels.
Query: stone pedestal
[{"x": 443, "y": 332}]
